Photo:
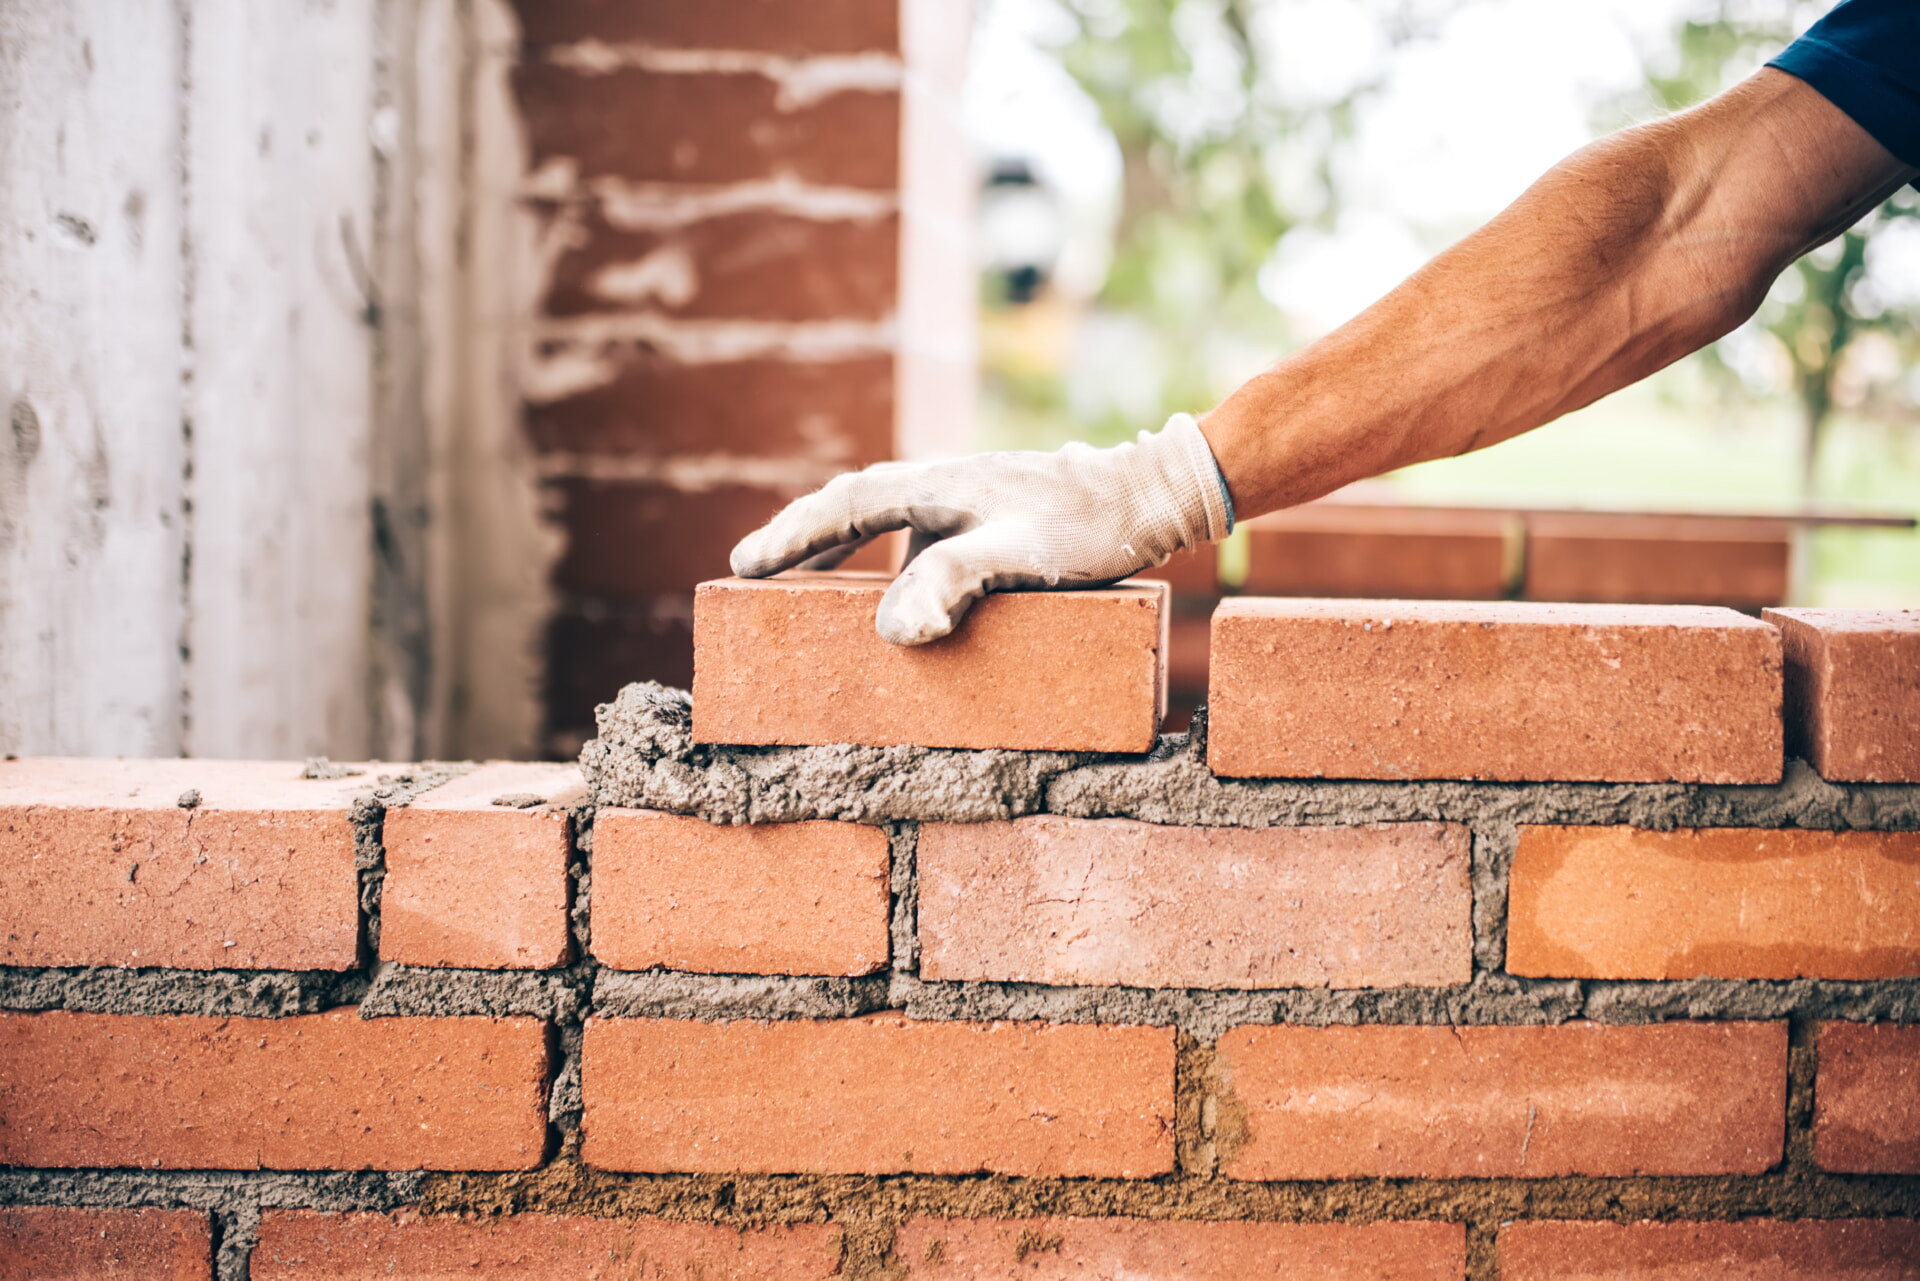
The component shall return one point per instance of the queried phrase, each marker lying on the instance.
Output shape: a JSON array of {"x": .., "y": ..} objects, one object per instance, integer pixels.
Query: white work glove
[{"x": 1077, "y": 517}]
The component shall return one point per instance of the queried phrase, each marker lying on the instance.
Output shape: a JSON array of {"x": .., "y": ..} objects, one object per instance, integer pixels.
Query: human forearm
[{"x": 1628, "y": 255}]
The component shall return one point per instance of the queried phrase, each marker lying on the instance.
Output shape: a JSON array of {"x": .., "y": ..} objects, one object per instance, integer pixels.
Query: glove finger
[
  {"x": 932, "y": 594},
  {"x": 847, "y": 509},
  {"x": 918, "y": 541}
]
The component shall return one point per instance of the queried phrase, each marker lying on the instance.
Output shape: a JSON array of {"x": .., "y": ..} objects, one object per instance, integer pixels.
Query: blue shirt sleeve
[{"x": 1864, "y": 58}]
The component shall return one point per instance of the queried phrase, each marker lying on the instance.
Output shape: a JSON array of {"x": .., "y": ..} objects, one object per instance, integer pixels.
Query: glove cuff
[{"x": 1208, "y": 515}]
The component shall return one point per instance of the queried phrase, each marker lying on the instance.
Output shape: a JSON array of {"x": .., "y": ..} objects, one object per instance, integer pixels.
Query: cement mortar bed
[{"x": 645, "y": 757}]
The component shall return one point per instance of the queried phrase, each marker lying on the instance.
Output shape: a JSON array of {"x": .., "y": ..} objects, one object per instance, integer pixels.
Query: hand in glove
[{"x": 1076, "y": 517}]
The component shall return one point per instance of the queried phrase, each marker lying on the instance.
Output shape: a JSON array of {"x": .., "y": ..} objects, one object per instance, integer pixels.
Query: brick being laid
[
  {"x": 878, "y": 1095},
  {"x": 1386, "y": 1101},
  {"x": 1734, "y": 902},
  {"x": 795, "y": 660},
  {"x": 186, "y": 864},
  {"x": 1069, "y": 901},
  {"x": 1853, "y": 691},
  {"x": 1499, "y": 690}
]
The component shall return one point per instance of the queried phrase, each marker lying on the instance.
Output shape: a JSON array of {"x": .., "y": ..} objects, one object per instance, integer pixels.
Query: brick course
[
  {"x": 1867, "y": 1099},
  {"x": 101, "y": 865},
  {"x": 1853, "y": 691},
  {"x": 471, "y": 882},
  {"x": 1111, "y": 901},
  {"x": 315, "y": 1092},
  {"x": 1809, "y": 1250},
  {"x": 795, "y": 659},
  {"x": 1399, "y": 689},
  {"x": 1621, "y": 903},
  {"x": 878, "y": 1095},
  {"x": 1491, "y": 1102},
  {"x": 56, "y": 1243},
  {"x": 1656, "y": 560},
  {"x": 786, "y": 898},
  {"x": 1402, "y": 553},
  {"x": 773, "y": 26}
]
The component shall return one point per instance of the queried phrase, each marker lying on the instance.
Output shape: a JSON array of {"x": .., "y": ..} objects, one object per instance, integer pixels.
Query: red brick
[
  {"x": 756, "y": 265},
  {"x": 314, "y": 1092},
  {"x": 1110, "y": 901},
  {"x": 795, "y": 659},
  {"x": 596, "y": 646},
  {"x": 1806, "y": 1250},
  {"x": 1494, "y": 1102},
  {"x": 301, "y": 1245},
  {"x": 99, "y": 865},
  {"x": 1407, "y": 553},
  {"x": 838, "y": 412},
  {"x": 705, "y": 127},
  {"x": 1867, "y": 1099},
  {"x": 1192, "y": 573},
  {"x": 1656, "y": 560},
  {"x": 878, "y": 1095},
  {"x": 474, "y": 883},
  {"x": 1045, "y": 1249},
  {"x": 1853, "y": 691},
  {"x": 1397, "y": 689},
  {"x": 769, "y": 26},
  {"x": 627, "y": 538},
  {"x": 1739, "y": 902},
  {"x": 774, "y": 898},
  {"x": 54, "y": 1242}
]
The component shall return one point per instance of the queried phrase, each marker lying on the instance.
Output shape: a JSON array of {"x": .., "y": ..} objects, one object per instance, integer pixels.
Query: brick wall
[
  {"x": 755, "y": 228},
  {"x": 1384, "y": 969}
]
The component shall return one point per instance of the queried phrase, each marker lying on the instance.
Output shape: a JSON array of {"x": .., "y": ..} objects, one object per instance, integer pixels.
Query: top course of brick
[{"x": 1853, "y": 691}]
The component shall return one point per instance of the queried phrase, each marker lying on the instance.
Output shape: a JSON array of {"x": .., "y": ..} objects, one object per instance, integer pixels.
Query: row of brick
[
  {"x": 1329, "y": 689},
  {"x": 176, "y": 1245},
  {"x": 886, "y": 1094},
  {"x": 102, "y": 866}
]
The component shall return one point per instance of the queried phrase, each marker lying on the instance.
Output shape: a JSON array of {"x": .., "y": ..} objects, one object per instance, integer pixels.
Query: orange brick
[
  {"x": 100, "y": 865},
  {"x": 795, "y": 659},
  {"x": 1046, "y": 1249},
  {"x": 1504, "y": 1102},
  {"x": 1806, "y": 1250},
  {"x": 776, "y": 898},
  {"x": 300, "y": 1245},
  {"x": 1111, "y": 901},
  {"x": 772, "y": 26},
  {"x": 1867, "y": 1099},
  {"x": 878, "y": 1095},
  {"x": 1853, "y": 691},
  {"x": 1398, "y": 689},
  {"x": 1613, "y": 557},
  {"x": 1622, "y": 903},
  {"x": 55, "y": 1242},
  {"x": 474, "y": 883},
  {"x": 1403, "y": 553},
  {"x": 316, "y": 1092}
]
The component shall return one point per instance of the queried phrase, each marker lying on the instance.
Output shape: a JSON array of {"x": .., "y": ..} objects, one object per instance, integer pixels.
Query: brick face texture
[
  {"x": 1110, "y": 901},
  {"x": 321, "y": 1247},
  {"x": 1516, "y": 1102},
  {"x": 1853, "y": 691},
  {"x": 878, "y": 1095},
  {"x": 786, "y": 898},
  {"x": 1867, "y": 1099},
  {"x": 54, "y": 1243},
  {"x": 1812, "y": 1250},
  {"x": 323, "y": 1091},
  {"x": 1620, "y": 903},
  {"x": 100, "y": 865},
  {"x": 1405, "y": 689},
  {"x": 1054, "y": 1249},
  {"x": 472, "y": 882},
  {"x": 795, "y": 659}
]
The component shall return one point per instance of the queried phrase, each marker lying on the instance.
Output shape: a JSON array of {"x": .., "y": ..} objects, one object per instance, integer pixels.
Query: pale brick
[
  {"x": 1504, "y": 690},
  {"x": 1866, "y": 1117},
  {"x": 1502, "y": 1102},
  {"x": 878, "y": 1095},
  {"x": 100, "y": 864},
  {"x": 773, "y": 898},
  {"x": 314, "y": 1092},
  {"x": 795, "y": 659},
  {"x": 1753, "y": 903},
  {"x": 1853, "y": 691},
  {"x": 477, "y": 870},
  {"x": 1776, "y": 1250},
  {"x": 58, "y": 1243},
  {"x": 1071, "y": 901},
  {"x": 1403, "y": 553}
]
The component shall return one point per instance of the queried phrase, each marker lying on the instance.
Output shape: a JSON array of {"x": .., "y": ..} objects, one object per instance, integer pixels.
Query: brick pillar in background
[{"x": 756, "y": 219}]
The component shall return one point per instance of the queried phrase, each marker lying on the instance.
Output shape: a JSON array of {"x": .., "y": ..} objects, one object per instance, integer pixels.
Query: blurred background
[{"x": 382, "y": 376}]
